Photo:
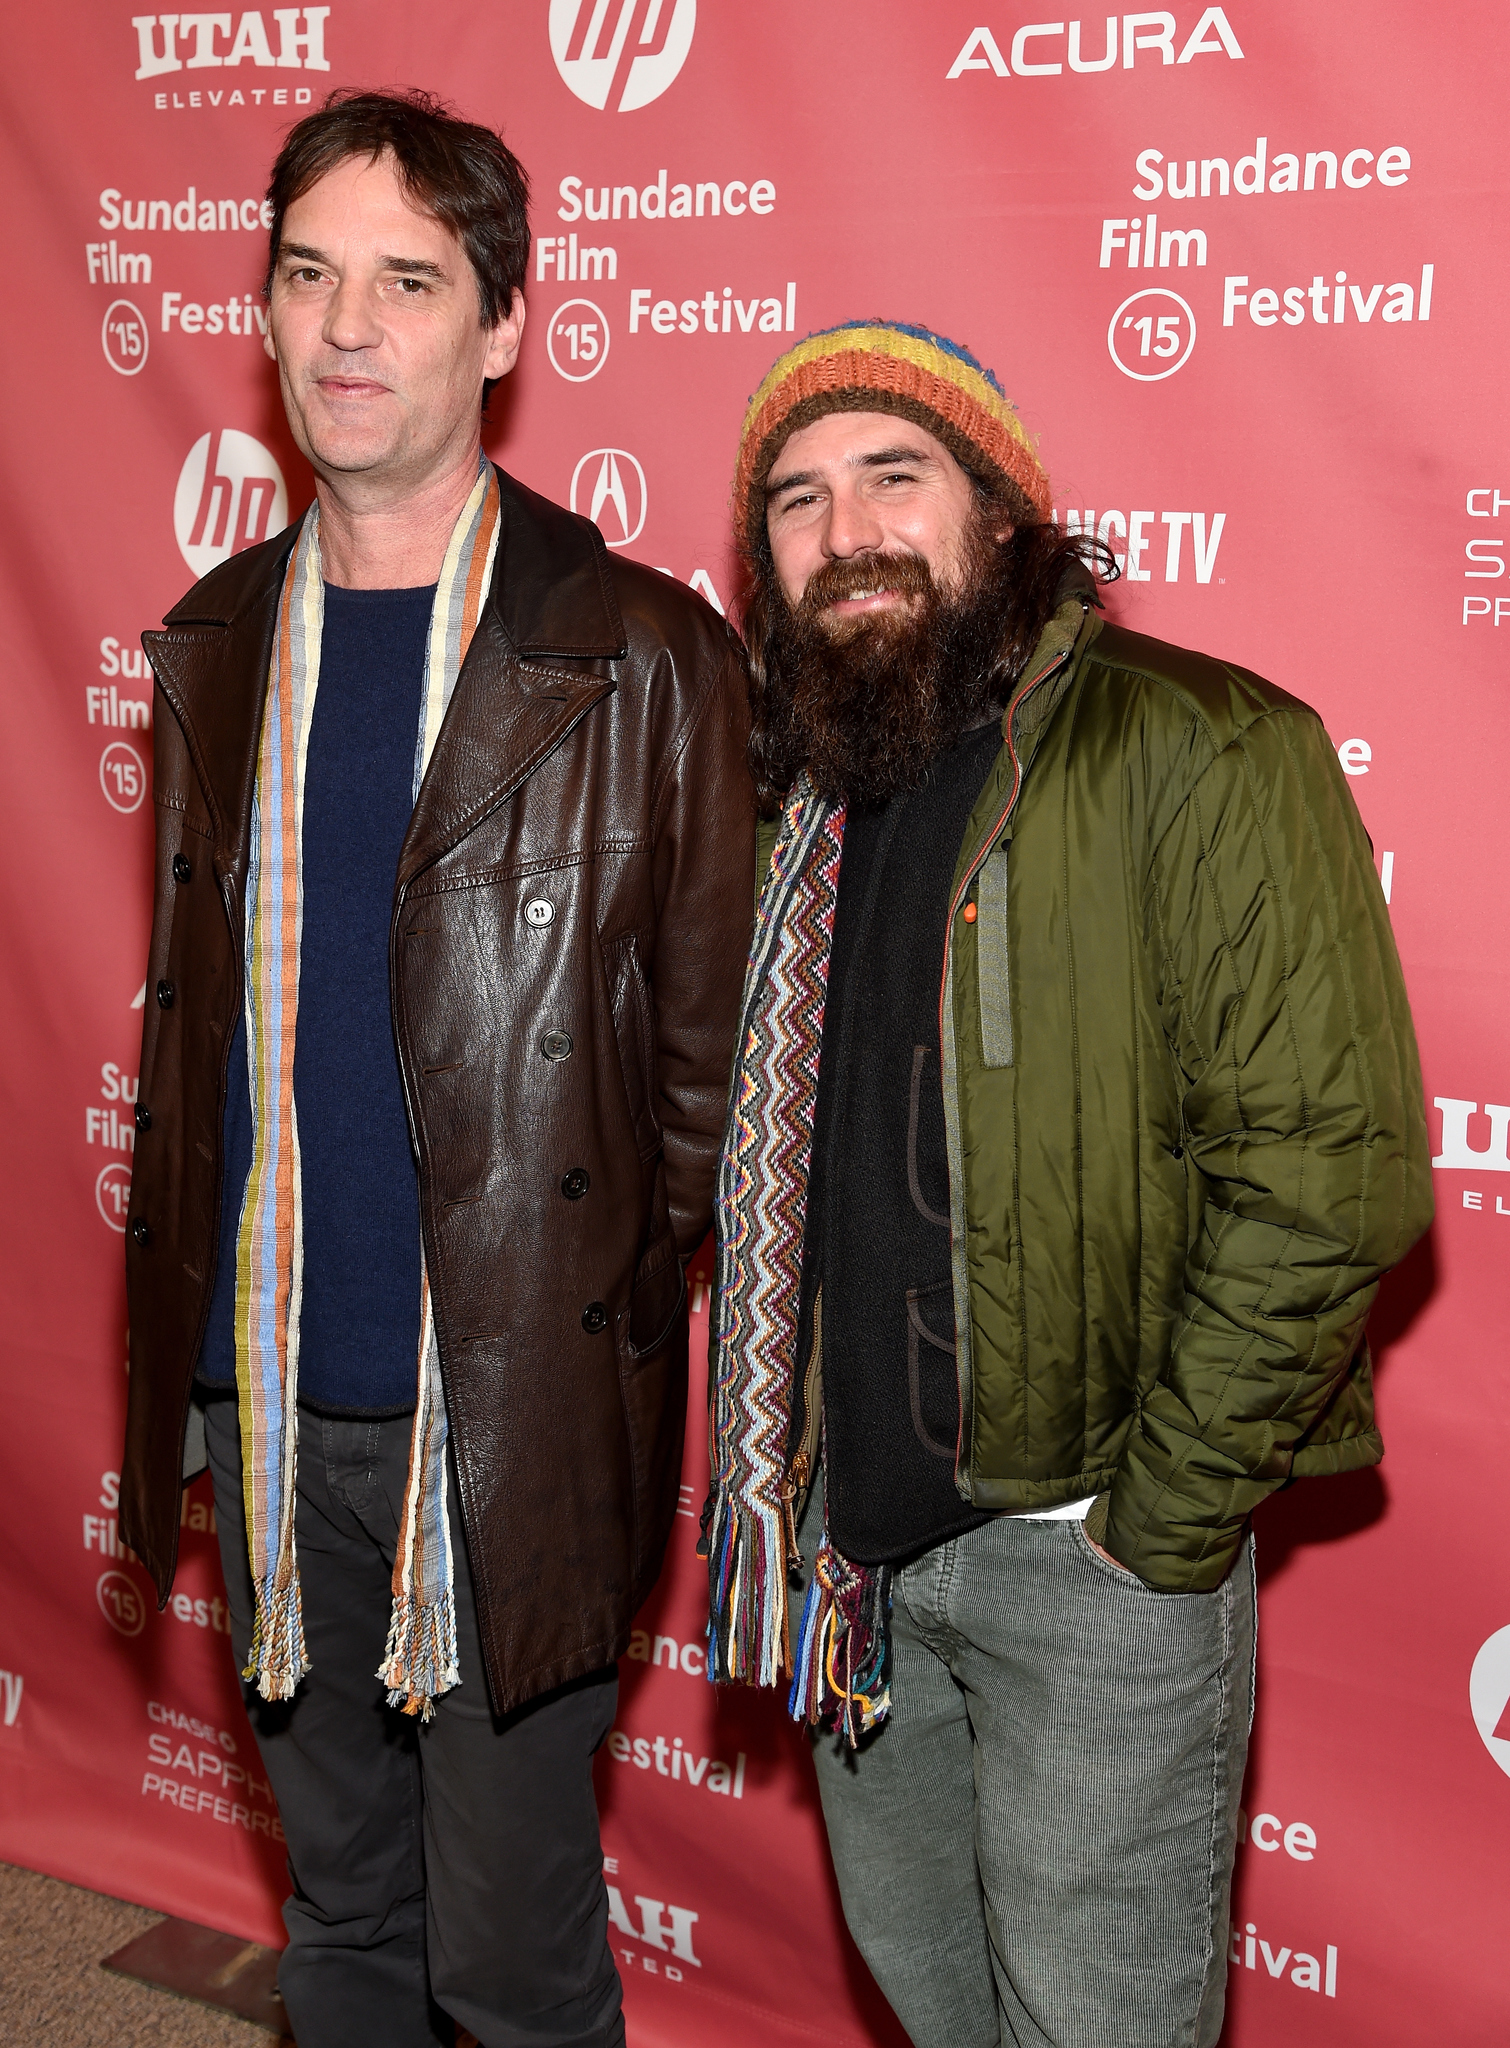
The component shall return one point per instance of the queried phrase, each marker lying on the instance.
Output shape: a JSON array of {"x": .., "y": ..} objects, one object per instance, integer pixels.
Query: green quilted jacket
[{"x": 1183, "y": 1102}]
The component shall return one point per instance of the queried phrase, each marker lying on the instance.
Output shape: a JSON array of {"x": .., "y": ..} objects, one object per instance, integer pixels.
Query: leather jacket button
[
  {"x": 143, "y": 1117},
  {"x": 140, "y": 1232},
  {"x": 538, "y": 911},
  {"x": 182, "y": 872},
  {"x": 594, "y": 1318},
  {"x": 574, "y": 1185},
  {"x": 556, "y": 1045},
  {"x": 165, "y": 995}
]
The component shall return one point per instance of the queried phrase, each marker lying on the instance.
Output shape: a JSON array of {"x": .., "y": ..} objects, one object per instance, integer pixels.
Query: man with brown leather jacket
[{"x": 453, "y": 884}]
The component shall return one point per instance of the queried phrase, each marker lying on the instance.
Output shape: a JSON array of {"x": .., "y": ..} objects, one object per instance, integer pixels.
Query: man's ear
[{"x": 504, "y": 339}]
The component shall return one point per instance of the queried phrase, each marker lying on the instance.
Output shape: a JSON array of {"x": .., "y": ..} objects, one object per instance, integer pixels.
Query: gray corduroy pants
[{"x": 1035, "y": 1849}]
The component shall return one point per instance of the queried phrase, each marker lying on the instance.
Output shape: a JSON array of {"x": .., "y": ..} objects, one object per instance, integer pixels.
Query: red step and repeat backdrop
[{"x": 1242, "y": 269}]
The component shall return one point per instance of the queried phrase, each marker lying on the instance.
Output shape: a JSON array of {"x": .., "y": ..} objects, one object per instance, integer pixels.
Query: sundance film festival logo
[
  {"x": 577, "y": 340},
  {"x": 621, "y": 54},
  {"x": 123, "y": 335},
  {"x": 112, "y": 1194},
  {"x": 1151, "y": 335},
  {"x": 230, "y": 496},
  {"x": 619, "y": 496},
  {"x": 120, "y": 1601},
  {"x": 123, "y": 777}
]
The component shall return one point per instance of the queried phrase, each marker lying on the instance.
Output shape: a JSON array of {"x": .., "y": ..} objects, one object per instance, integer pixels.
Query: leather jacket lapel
[
  {"x": 213, "y": 672},
  {"x": 505, "y": 717},
  {"x": 552, "y": 601}
]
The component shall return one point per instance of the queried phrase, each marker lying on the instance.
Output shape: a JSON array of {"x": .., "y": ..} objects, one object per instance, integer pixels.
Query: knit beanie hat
[{"x": 887, "y": 366}]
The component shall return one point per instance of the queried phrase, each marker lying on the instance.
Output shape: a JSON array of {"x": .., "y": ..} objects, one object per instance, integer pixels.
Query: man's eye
[
  {"x": 307, "y": 276},
  {"x": 411, "y": 287}
]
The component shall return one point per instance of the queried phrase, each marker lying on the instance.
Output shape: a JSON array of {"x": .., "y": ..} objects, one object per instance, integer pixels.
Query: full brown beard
[{"x": 866, "y": 701}]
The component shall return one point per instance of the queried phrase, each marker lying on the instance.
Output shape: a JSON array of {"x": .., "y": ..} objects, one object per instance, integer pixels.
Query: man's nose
[
  {"x": 852, "y": 529},
  {"x": 350, "y": 322}
]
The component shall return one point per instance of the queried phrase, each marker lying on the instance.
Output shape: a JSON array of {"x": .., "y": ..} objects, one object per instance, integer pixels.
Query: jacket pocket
[
  {"x": 634, "y": 1036},
  {"x": 653, "y": 1390},
  {"x": 659, "y": 1292},
  {"x": 932, "y": 1381},
  {"x": 993, "y": 960},
  {"x": 920, "y": 1056}
]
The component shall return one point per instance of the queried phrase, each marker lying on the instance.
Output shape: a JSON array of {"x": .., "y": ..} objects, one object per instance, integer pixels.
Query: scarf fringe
[
  {"x": 747, "y": 1631},
  {"x": 843, "y": 1677},
  {"x": 278, "y": 1658},
  {"x": 419, "y": 1662}
]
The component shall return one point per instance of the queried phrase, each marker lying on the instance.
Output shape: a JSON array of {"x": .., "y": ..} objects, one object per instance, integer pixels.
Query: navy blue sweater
[{"x": 359, "y": 1328}]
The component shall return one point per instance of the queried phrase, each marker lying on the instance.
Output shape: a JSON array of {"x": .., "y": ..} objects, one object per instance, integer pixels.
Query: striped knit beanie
[{"x": 887, "y": 366}]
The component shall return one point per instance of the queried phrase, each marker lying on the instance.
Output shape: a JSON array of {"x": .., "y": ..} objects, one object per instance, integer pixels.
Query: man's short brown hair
[{"x": 456, "y": 171}]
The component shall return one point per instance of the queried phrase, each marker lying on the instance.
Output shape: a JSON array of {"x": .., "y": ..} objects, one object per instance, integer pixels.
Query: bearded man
[{"x": 1076, "y": 1117}]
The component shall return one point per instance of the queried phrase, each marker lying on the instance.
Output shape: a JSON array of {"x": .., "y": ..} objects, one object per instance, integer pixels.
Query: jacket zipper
[
  {"x": 983, "y": 850},
  {"x": 977, "y": 861}
]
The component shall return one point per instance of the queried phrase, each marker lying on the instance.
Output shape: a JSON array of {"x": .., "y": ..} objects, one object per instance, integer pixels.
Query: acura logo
[{"x": 612, "y": 483}]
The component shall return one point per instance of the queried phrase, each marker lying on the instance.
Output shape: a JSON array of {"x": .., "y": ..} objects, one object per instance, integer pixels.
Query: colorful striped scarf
[
  {"x": 760, "y": 1210},
  {"x": 420, "y": 1660}
]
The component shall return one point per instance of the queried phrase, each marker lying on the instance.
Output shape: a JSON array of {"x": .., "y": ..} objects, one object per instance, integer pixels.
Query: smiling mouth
[{"x": 882, "y": 594}]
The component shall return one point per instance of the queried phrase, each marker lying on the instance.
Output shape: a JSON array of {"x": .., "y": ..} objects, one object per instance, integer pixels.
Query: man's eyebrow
[
  {"x": 883, "y": 456},
  {"x": 415, "y": 266},
  {"x": 407, "y": 266},
  {"x": 879, "y": 459}
]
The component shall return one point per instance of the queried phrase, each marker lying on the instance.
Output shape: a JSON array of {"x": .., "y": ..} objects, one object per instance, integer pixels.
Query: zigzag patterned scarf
[
  {"x": 760, "y": 1211},
  {"x": 420, "y": 1660}
]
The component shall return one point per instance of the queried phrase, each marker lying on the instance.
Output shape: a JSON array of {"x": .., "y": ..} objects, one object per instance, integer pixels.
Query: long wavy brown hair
[{"x": 865, "y": 712}]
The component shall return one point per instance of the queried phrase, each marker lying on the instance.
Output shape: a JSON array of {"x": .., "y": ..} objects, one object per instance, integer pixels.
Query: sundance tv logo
[
  {"x": 230, "y": 496},
  {"x": 618, "y": 55}
]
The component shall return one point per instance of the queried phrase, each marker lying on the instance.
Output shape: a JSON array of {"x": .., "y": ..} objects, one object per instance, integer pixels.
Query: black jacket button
[
  {"x": 165, "y": 995},
  {"x": 1177, "y": 1152},
  {"x": 574, "y": 1185},
  {"x": 143, "y": 1117},
  {"x": 594, "y": 1318},
  {"x": 140, "y": 1231},
  {"x": 182, "y": 872},
  {"x": 556, "y": 1045}
]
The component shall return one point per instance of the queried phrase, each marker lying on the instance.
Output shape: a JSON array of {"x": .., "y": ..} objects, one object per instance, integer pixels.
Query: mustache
[{"x": 862, "y": 576}]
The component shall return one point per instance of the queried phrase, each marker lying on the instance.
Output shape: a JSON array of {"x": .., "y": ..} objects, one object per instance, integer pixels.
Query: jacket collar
[{"x": 552, "y": 601}]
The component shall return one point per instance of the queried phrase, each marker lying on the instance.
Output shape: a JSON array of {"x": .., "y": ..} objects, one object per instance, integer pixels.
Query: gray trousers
[{"x": 1035, "y": 1849}]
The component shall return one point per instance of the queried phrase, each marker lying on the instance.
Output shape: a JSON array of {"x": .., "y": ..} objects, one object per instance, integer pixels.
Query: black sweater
[{"x": 878, "y": 1197}]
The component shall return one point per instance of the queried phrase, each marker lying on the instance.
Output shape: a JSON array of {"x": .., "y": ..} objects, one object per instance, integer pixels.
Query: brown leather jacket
[{"x": 592, "y": 759}]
